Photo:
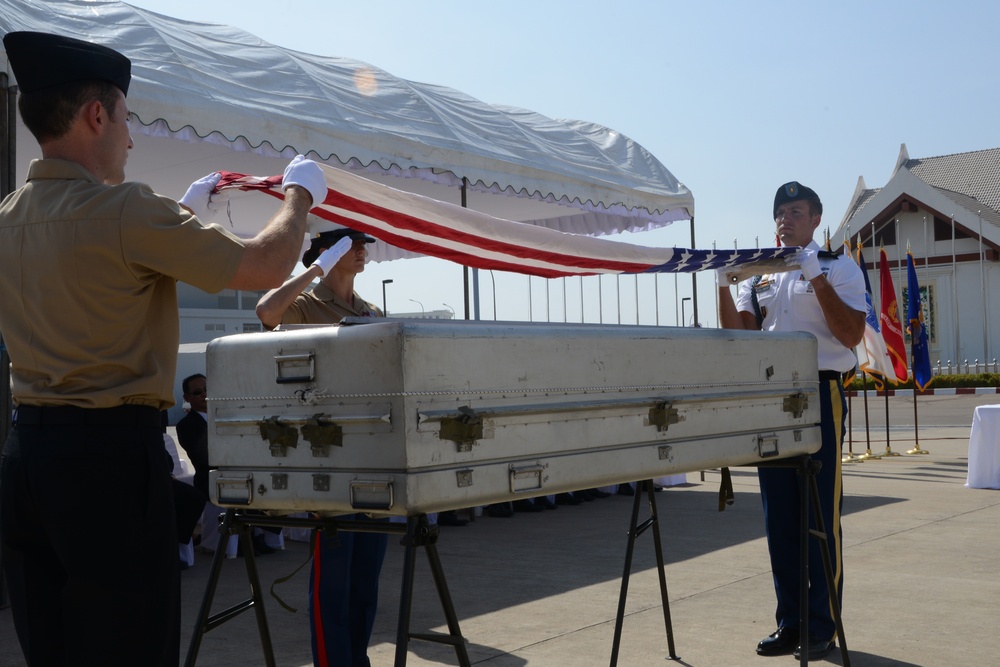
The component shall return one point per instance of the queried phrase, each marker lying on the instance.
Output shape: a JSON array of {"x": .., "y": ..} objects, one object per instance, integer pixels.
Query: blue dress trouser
[
  {"x": 343, "y": 595},
  {"x": 72, "y": 604},
  {"x": 779, "y": 491}
]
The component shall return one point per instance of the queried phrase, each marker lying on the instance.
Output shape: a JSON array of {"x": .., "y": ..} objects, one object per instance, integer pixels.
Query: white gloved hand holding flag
[
  {"x": 807, "y": 260},
  {"x": 306, "y": 174},
  {"x": 726, "y": 277},
  {"x": 199, "y": 198}
]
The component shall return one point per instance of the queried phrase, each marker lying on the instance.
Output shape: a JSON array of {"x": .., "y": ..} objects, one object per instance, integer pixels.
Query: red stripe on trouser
[{"x": 317, "y": 615}]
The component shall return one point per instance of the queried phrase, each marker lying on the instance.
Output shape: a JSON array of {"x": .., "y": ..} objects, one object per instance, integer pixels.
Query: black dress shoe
[
  {"x": 526, "y": 505},
  {"x": 500, "y": 510},
  {"x": 567, "y": 499},
  {"x": 781, "y": 642},
  {"x": 585, "y": 494},
  {"x": 449, "y": 518},
  {"x": 625, "y": 490},
  {"x": 818, "y": 648},
  {"x": 545, "y": 503},
  {"x": 597, "y": 493}
]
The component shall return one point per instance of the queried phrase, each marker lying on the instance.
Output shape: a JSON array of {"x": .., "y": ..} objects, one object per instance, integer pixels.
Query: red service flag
[{"x": 892, "y": 330}]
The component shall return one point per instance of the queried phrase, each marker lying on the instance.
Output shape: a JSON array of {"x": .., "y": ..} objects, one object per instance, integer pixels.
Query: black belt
[
  {"x": 69, "y": 415},
  {"x": 831, "y": 375}
]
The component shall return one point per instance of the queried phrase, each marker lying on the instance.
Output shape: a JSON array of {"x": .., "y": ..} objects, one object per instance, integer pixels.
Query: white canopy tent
[{"x": 211, "y": 97}]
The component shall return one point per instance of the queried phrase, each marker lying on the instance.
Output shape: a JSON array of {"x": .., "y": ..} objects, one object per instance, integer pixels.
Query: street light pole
[
  {"x": 385, "y": 311},
  {"x": 451, "y": 309},
  {"x": 422, "y": 311},
  {"x": 684, "y": 321}
]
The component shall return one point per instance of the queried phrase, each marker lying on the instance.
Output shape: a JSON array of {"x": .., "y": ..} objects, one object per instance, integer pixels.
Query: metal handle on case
[{"x": 300, "y": 359}]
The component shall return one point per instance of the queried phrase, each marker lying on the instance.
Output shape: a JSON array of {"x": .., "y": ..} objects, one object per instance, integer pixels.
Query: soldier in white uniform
[{"x": 825, "y": 296}]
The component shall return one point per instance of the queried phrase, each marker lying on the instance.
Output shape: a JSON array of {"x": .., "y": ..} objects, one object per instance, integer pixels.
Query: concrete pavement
[{"x": 921, "y": 556}]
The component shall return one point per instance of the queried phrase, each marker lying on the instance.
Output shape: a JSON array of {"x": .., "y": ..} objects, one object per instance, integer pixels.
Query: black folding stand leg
[
  {"x": 204, "y": 622},
  {"x": 421, "y": 533},
  {"x": 821, "y": 535},
  {"x": 807, "y": 480},
  {"x": 635, "y": 529}
]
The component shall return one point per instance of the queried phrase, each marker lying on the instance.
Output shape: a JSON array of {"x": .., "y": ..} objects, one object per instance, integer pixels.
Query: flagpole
[
  {"x": 916, "y": 431},
  {"x": 888, "y": 447},
  {"x": 982, "y": 280},
  {"x": 851, "y": 458},
  {"x": 954, "y": 295},
  {"x": 916, "y": 390},
  {"x": 868, "y": 435}
]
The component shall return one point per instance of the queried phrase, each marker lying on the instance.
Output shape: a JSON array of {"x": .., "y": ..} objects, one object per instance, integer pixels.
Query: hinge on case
[
  {"x": 463, "y": 429},
  {"x": 320, "y": 434},
  {"x": 796, "y": 404},
  {"x": 279, "y": 436}
]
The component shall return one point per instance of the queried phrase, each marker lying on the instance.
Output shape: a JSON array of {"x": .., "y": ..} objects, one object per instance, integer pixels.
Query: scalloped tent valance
[{"x": 214, "y": 86}]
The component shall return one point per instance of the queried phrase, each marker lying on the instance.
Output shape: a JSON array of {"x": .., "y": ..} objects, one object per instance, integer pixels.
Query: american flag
[{"x": 427, "y": 226}]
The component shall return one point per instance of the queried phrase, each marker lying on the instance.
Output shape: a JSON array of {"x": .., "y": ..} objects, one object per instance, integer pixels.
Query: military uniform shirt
[
  {"x": 789, "y": 304},
  {"x": 88, "y": 294},
  {"x": 320, "y": 305}
]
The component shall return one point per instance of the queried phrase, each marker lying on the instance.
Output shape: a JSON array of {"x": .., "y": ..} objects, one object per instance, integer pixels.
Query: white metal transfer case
[{"x": 402, "y": 417}]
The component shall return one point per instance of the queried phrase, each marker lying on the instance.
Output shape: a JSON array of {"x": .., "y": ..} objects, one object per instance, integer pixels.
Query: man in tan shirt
[{"x": 88, "y": 311}]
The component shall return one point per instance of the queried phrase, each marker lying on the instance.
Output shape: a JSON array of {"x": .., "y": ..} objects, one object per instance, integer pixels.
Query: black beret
[
  {"x": 41, "y": 60},
  {"x": 324, "y": 240},
  {"x": 794, "y": 191},
  {"x": 331, "y": 237}
]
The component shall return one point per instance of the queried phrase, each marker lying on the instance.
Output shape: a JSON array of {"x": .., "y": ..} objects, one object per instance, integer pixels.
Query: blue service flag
[
  {"x": 873, "y": 355},
  {"x": 917, "y": 330}
]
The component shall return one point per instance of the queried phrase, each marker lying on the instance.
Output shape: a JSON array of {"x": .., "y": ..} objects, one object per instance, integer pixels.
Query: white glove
[
  {"x": 725, "y": 277},
  {"x": 199, "y": 198},
  {"x": 332, "y": 255},
  {"x": 307, "y": 174},
  {"x": 807, "y": 260}
]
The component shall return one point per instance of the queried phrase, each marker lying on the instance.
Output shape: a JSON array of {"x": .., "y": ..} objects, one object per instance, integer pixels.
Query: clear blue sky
[{"x": 735, "y": 98}]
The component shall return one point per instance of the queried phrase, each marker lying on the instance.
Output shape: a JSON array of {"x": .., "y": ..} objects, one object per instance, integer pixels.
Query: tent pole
[
  {"x": 694, "y": 279},
  {"x": 465, "y": 270}
]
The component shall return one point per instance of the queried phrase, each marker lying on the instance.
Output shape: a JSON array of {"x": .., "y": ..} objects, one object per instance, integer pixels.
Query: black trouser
[{"x": 89, "y": 539}]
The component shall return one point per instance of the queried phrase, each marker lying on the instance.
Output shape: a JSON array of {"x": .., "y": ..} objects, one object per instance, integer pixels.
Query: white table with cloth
[{"x": 984, "y": 448}]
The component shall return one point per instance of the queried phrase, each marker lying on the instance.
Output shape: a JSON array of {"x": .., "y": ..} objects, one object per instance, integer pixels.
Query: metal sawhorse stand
[
  {"x": 417, "y": 532},
  {"x": 808, "y": 490}
]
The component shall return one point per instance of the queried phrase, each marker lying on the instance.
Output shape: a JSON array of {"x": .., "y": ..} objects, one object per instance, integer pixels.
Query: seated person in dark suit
[{"x": 192, "y": 430}]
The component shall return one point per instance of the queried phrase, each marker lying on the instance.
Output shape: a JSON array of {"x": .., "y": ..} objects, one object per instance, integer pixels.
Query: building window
[
  {"x": 252, "y": 327},
  {"x": 215, "y": 327},
  {"x": 942, "y": 231},
  {"x": 229, "y": 300},
  {"x": 885, "y": 235}
]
